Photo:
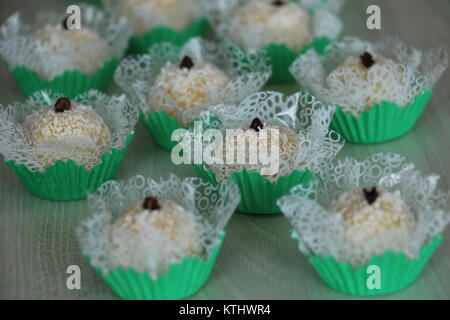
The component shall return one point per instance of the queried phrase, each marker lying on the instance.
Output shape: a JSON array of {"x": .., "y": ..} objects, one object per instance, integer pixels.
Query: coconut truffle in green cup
[
  {"x": 284, "y": 28},
  {"x": 368, "y": 228},
  {"x": 60, "y": 148},
  {"x": 380, "y": 89},
  {"x": 174, "y": 84},
  {"x": 154, "y": 21},
  {"x": 51, "y": 54},
  {"x": 267, "y": 144},
  {"x": 156, "y": 239}
]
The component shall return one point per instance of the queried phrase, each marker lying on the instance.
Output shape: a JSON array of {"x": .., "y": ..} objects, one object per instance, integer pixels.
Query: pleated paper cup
[
  {"x": 383, "y": 122},
  {"x": 70, "y": 83},
  {"x": 180, "y": 281},
  {"x": 259, "y": 195},
  {"x": 160, "y": 126},
  {"x": 66, "y": 181},
  {"x": 393, "y": 271},
  {"x": 282, "y": 57},
  {"x": 140, "y": 44}
]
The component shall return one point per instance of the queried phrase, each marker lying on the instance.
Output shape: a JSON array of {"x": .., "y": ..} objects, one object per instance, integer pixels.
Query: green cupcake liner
[
  {"x": 70, "y": 83},
  {"x": 66, "y": 181},
  {"x": 259, "y": 195},
  {"x": 181, "y": 280},
  {"x": 161, "y": 126},
  {"x": 395, "y": 269},
  {"x": 140, "y": 44},
  {"x": 282, "y": 58},
  {"x": 383, "y": 122}
]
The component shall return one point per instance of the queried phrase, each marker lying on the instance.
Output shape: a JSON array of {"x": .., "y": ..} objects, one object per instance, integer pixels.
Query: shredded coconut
[
  {"x": 148, "y": 14},
  {"x": 46, "y": 129},
  {"x": 194, "y": 87}
]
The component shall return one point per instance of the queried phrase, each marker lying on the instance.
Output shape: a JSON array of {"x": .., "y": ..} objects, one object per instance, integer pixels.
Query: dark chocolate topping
[
  {"x": 367, "y": 60},
  {"x": 371, "y": 195},
  {"x": 256, "y": 125},
  {"x": 62, "y": 104},
  {"x": 151, "y": 203},
  {"x": 187, "y": 63},
  {"x": 278, "y": 3}
]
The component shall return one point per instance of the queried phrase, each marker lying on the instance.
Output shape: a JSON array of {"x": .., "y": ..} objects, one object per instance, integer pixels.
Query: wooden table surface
[{"x": 258, "y": 259}]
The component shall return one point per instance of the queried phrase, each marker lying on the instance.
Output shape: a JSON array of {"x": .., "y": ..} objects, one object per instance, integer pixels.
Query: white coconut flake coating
[
  {"x": 88, "y": 134},
  {"x": 387, "y": 215},
  {"x": 171, "y": 222},
  {"x": 147, "y": 14},
  {"x": 247, "y": 140},
  {"x": 383, "y": 81},
  {"x": 259, "y": 23},
  {"x": 191, "y": 87},
  {"x": 89, "y": 49}
]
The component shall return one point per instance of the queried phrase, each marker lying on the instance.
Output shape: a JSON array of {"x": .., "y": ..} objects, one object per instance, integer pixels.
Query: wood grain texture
[{"x": 258, "y": 259}]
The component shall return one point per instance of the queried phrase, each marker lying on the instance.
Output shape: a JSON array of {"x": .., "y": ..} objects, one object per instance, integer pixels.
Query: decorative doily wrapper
[
  {"x": 324, "y": 24},
  {"x": 160, "y": 113},
  {"x": 69, "y": 180},
  {"x": 71, "y": 83},
  {"x": 162, "y": 274},
  {"x": 181, "y": 281},
  {"x": 316, "y": 146},
  {"x": 400, "y": 78},
  {"x": 324, "y": 239},
  {"x": 396, "y": 271},
  {"x": 40, "y": 58},
  {"x": 154, "y": 24},
  {"x": 384, "y": 122}
]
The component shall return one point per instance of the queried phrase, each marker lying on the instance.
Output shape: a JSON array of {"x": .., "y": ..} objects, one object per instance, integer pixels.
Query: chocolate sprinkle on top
[
  {"x": 62, "y": 104},
  {"x": 151, "y": 203},
  {"x": 371, "y": 195},
  {"x": 278, "y": 3},
  {"x": 256, "y": 125},
  {"x": 367, "y": 60},
  {"x": 186, "y": 63}
]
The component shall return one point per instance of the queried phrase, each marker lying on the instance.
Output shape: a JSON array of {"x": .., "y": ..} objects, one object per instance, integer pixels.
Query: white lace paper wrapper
[
  {"x": 323, "y": 19},
  {"x": 247, "y": 73},
  {"x": 20, "y": 46},
  {"x": 146, "y": 15},
  {"x": 118, "y": 113},
  {"x": 308, "y": 118},
  {"x": 321, "y": 232},
  {"x": 418, "y": 71},
  {"x": 211, "y": 206}
]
